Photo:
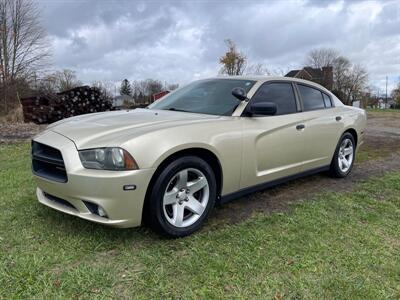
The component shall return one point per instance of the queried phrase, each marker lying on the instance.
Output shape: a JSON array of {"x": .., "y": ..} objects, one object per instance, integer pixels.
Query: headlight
[{"x": 116, "y": 159}]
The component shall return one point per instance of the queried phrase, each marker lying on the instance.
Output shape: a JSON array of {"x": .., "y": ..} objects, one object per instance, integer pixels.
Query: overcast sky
[{"x": 178, "y": 41}]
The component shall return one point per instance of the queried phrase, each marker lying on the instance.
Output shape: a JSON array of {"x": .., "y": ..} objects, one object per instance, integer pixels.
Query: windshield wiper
[{"x": 177, "y": 109}]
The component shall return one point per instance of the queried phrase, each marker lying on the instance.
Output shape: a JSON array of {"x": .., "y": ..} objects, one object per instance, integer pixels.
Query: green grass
[
  {"x": 339, "y": 245},
  {"x": 367, "y": 153},
  {"x": 382, "y": 110}
]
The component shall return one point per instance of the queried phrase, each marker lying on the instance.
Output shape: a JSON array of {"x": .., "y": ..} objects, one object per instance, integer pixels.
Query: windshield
[{"x": 210, "y": 96}]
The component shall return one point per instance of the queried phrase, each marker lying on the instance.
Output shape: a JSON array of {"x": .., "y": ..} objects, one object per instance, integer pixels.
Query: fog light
[
  {"x": 96, "y": 209},
  {"x": 101, "y": 212}
]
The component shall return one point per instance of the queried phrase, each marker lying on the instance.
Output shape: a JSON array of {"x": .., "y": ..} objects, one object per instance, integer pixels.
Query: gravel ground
[
  {"x": 278, "y": 198},
  {"x": 10, "y": 133}
]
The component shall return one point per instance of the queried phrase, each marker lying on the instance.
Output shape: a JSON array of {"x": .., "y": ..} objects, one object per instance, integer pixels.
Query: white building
[{"x": 118, "y": 101}]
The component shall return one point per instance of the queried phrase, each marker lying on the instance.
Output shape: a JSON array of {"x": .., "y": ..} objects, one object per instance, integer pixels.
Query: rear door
[
  {"x": 322, "y": 126},
  {"x": 272, "y": 145}
]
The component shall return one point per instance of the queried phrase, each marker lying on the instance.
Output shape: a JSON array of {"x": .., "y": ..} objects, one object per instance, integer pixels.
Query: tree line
[
  {"x": 142, "y": 90},
  {"x": 396, "y": 95},
  {"x": 25, "y": 58},
  {"x": 350, "y": 80}
]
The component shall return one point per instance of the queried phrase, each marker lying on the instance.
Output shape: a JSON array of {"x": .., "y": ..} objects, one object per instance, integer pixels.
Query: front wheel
[
  {"x": 343, "y": 159},
  {"x": 182, "y": 197}
]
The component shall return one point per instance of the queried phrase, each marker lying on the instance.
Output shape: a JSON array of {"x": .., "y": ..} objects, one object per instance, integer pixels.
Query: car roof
[{"x": 263, "y": 79}]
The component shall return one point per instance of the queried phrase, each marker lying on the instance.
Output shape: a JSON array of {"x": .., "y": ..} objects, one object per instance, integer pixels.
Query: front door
[{"x": 272, "y": 145}]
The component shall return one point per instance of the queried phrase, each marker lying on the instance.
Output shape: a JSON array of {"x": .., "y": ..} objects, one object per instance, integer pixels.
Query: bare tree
[
  {"x": 153, "y": 86},
  {"x": 66, "y": 80},
  {"x": 349, "y": 80},
  {"x": 280, "y": 71},
  {"x": 135, "y": 89},
  {"x": 107, "y": 88},
  {"x": 172, "y": 86},
  {"x": 46, "y": 85},
  {"x": 233, "y": 62},
  {"x": 340, "y": 73},
  {"x": 396, "y": 95},
  {"x": 144, "y": 89},
  {"x": 356, "y": 82},
  {"x": 139, "y": 88},
  {"x": 322, "y": 57},
  {"x": 59, "y": 81},
  {"x": 257, "y": 69},
  {"x": 23, "y": 46}
]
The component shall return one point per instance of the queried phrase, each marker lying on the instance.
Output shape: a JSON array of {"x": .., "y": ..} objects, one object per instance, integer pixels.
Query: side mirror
[
  {"x": 263, "y": 108},
  {"x": 239, "y": 93}
]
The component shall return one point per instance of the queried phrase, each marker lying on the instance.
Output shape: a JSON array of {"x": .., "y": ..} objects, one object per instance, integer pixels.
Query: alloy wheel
[
  {"x": 345, "y": 155},
  {"x": 186, "y": 197}
]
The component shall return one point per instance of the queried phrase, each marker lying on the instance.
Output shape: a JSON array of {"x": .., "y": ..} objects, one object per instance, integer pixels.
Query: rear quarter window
[{"x": 312, "y": 98}]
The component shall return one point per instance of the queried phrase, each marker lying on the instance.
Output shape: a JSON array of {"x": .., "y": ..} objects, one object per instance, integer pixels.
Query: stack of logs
[{"x": 47, "y": 109}]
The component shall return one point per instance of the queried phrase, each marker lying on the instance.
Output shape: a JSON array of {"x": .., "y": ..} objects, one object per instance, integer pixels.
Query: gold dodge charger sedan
[{"x": 211, "y": 141}]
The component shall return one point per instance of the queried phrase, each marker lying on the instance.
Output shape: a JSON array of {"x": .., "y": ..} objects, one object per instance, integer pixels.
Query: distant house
[
  {"x": 121, "y": 101},
  {"x": 322, "y": 76},
  {"x": 389, "y": 103},
  {"x": 159, "y": 95}
]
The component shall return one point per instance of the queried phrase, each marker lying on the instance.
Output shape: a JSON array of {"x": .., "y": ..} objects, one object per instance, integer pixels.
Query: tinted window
[
  {"x": 210, "y": 96},
  {"x": 327, "y": 100},
  {"x": 279, "y": 93},
  {"x": 312, "y": 98}
]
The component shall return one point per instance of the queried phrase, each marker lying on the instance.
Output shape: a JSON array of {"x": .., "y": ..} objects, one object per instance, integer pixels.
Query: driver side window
[{"x": 280, "y": 93}]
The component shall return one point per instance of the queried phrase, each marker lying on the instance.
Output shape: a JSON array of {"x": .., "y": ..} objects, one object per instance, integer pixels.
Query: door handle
[
  {"x": 338, "y": 118},
  {"x": 300, "y": 127}
]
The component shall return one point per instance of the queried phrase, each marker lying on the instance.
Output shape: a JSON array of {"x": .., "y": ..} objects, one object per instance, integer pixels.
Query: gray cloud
[{"x": 181, "y": 41}]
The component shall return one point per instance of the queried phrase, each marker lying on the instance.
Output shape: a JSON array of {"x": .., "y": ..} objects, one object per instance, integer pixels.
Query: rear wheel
[
  {"x": 343, "y": 159},
  {"x": 182, "y": 197}
]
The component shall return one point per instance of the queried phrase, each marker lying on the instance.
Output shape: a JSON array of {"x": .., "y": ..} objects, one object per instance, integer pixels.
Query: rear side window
[
  {"x": 327, "y": 100},
  {"x": 312, "y": 98},
  {"x": 280, "y": 93}
]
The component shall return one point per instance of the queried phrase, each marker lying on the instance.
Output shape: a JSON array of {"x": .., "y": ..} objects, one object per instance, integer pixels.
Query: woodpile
[{"x": 47, "y": 109}]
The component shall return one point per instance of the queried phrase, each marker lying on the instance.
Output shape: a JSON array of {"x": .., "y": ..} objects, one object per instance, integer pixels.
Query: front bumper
[{"x": 102, "y": 188}]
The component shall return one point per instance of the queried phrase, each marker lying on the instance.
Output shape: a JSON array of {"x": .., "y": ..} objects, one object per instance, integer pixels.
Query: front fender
[
  {"x": 225, "y": 142},
  {"x": 183, "y": 147}
]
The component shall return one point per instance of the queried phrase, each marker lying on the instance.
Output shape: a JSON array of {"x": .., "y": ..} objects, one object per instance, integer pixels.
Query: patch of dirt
[
  {"x": 382, "y": 135},
  {"x": 14, "y": 132},
  {"x": 278, "y": 198},
  {"x": 383, "y": 125}
]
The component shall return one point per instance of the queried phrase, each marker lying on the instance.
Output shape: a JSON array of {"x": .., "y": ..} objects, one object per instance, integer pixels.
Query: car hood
[{"x": 111, "y": 128}]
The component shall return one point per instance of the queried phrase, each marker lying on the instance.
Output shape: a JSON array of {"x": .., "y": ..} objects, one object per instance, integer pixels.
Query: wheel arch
[
  {"x": 206, "y": 154},
  {"x": 350, "y": 130},
  {"x": 353, "y": 132}
]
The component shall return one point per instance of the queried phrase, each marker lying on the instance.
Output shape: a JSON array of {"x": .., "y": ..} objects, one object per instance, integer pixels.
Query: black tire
[
  {"x": 155, "y": 216},
  {"x": 335, "y": 169}
]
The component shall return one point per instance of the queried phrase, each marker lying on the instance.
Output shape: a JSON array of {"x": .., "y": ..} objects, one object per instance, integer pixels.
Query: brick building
[
  {"x": 322, "y": 76},
  {"x": 159, "y": 95}
]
